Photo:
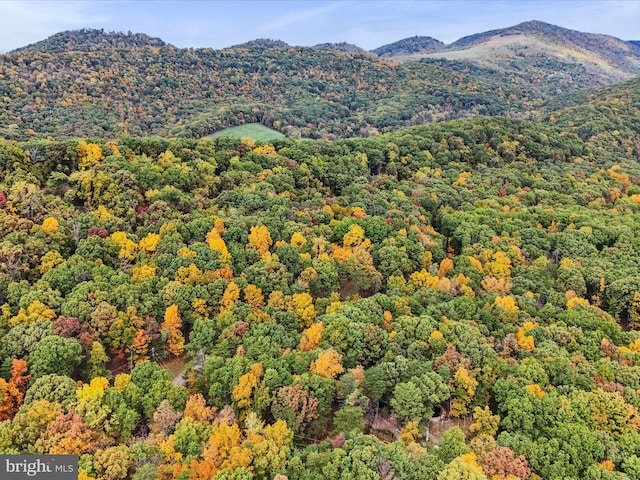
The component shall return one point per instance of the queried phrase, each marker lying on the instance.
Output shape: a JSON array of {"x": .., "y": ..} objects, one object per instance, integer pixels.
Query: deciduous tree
[{"x": 173, "y": 324}]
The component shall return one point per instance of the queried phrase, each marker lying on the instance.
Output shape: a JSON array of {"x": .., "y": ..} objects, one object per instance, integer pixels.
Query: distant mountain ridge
[
  {"x": 535, "y": 27},
  {"x": 97, "y": 90},
  {"x": 534, "y": 43},
  {"x": 619, "y": 52},
  {"x": 95, "y": 83},
  {"x": 91, "y": 40}
]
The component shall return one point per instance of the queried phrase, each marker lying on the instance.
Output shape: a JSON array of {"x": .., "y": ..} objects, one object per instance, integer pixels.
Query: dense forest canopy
[
  {"x": 458, "y": 300},
  {"x": 333, "y": 297}
]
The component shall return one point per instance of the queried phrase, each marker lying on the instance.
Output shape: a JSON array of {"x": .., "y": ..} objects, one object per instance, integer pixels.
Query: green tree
[
  {"x": 408, "y": 403},
  {"x": 453, "y": 445},
  {"x": 55, "y": 355},
  {"x": 349, "y": 418}
]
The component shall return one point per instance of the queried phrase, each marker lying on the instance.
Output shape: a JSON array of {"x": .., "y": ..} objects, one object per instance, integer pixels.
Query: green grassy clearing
[{"x": 255, "y": 131}]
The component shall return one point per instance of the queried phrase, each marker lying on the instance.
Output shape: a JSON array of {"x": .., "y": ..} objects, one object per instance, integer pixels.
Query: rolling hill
[
  {"x": 91, "y": 39},
  {"x": 96, "y": 83},
  {"x": 540, "y": 48},
  {"x": 607, "y": 118},
  {"x": 410, "y": 46},
  {"x": 91, "y": 88}
]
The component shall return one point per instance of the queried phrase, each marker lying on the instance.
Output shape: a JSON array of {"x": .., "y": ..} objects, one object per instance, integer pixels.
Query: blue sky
[{"x": 369, "y": 24}]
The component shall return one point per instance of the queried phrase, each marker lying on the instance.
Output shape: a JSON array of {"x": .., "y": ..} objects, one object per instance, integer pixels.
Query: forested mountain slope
[
  {"x": 339, "y": 294},
  {"x": 90, "y": 39},
  {"x": 300, "y": 91},
  {"x": 608, "y": 117},
  {"x": 164, "y": 90},
  {"x": 92, "y": 83},
  {"x": 538, "y": 50},
  {"x": 618, "y": 53}
]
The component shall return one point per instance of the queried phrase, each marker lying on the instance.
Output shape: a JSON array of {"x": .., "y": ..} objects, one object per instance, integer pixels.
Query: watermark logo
[{"x": 39, "y": 467}]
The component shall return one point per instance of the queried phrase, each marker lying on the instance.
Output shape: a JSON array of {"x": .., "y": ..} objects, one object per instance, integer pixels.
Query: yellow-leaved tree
[
  {"x": 464, "y": 387},
  {"x": 230, "y": 296},
  {"x": 215, "y": 242},
  {"x": 484, "y": 422},
  {"x": 34, "y": 312},
  {"x": 499, "y": 266},
  {"x": 89, "y": 155},
  {"x": 50, "y": 225},
  {"x": 298, "y": 240},
  {"x": 526, "y": 342},
  {"x": 327, "y": 365},
  {"x": 465, "y": 466},
  {"x": 311, "y": 337},
  {"x": 172, "y": 323},
  {"x": 127, "y": 247},
  {"x": 354, "y": 237},
  {"x": 149, "y": 243},
  {"x": 253, "y": 296},
  {"x": 50, "y": 260},
  {"x": 142, "y": 272},
  {"x": 260, "y": 240},
  {"x": 507, "y": 308},
  {"x": 270, "y": 454},
  {"x": 224, "y": 448},
  {"x": 246, "y": 384},
  {"x": 302, "y": 304}
]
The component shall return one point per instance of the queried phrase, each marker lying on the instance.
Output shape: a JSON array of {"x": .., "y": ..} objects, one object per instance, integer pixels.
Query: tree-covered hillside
[
  {"x": 477, "y": 279},
  {"x": 301, "y": 91},
  {"x": 541, "y": 52},
  {"x": 90, "y": 39},
  {"x": 410, "y": 46},
  {"x": 92, "y": 83}
]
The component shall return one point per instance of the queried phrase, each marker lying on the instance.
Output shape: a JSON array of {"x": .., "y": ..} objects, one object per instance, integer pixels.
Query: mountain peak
[
  {"x": 261, "y": 43},
  {"x": 532, "y": 27},
  {"x": 88, "y": 39},
  {"x": 343, "y": 47},
  {"x": 409, "y": 46},
  {"x": 535, "y": 25},
  {"x": 537, "y": 28}
]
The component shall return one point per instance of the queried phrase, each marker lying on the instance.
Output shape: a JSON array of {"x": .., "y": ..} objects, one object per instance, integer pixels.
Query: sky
[{"x": 368, "y": 24}]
